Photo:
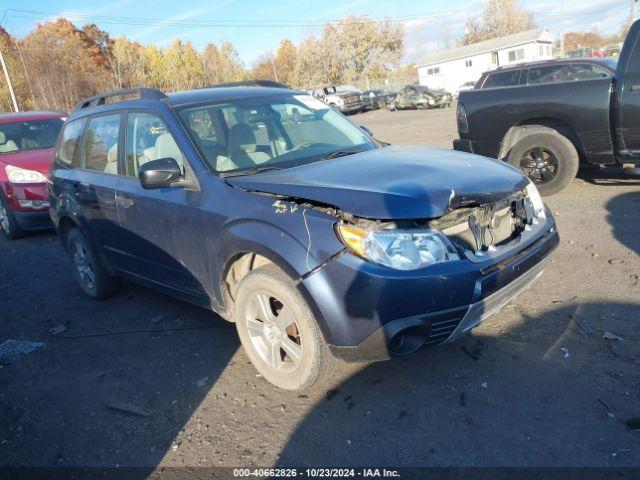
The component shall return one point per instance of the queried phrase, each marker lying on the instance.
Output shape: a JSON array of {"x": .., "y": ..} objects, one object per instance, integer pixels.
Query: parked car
[
  {"x": 547, "y": 118},
  {"x": 377, "y": 98},
  {"x": 466, "y": 86},
  {"x": 420, "y": 97},
  {"x": 317, "y": 240},
  {"x": 346, "y": 102},
  {"x": 26, "y": 153}
]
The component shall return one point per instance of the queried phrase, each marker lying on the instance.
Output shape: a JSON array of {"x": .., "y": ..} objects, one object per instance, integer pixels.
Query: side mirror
[
  {"x": 160, "y": 173},
  {"x": 366, "y": 130}
]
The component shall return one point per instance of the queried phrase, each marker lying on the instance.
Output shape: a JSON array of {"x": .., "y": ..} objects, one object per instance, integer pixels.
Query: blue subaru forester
[{"x": 266, "y": 206}]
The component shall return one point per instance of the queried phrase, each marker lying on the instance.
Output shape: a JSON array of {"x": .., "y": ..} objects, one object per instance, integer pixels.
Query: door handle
[
  {"x": 124, "y": 202},
  {"x": 635, "y": 88}
]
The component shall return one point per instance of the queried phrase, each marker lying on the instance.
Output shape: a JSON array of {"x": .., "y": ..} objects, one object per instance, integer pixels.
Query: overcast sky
[{"x": 255, "y": 26}]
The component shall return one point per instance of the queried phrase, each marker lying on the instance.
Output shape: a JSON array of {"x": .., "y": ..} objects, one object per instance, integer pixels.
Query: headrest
[
  {"x": 241, "y": 135},
  {"x": 3, "y": 138}
]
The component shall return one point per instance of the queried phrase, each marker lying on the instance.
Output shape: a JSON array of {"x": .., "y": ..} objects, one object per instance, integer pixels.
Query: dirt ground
[{"x": 527, "y": 388}]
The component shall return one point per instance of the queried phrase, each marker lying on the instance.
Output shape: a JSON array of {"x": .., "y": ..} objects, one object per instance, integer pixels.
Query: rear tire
[
  {"x": 93, "y": 279},
  {"x": 279, "y": 333},
  {"x": 8, "y": 223},
  {"x": 549, "y": 159}
]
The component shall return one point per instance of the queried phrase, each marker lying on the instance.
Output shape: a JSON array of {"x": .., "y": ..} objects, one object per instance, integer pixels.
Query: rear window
[
  {"x": 29, "y": 135},
  {"x": 502, "y": 79}
]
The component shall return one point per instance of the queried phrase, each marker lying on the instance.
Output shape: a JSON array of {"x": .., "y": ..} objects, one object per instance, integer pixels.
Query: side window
[
  {"x": 587, "y": 71},
  {"x": 67, "y": 153},
  {"x": 502, "y": 79},
  {"x": 565, "y": 73},
  {"x": 149, "y": 139},
  {"x": 550, "y": 74},
  {"x": 100, "y": 152}
]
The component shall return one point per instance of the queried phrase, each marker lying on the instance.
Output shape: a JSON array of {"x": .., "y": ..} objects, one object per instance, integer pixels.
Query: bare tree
[{"x": 499, "y": 18}]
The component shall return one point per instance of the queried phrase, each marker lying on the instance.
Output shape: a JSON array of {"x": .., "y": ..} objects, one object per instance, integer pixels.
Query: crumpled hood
[{"x": 396, "y": 182}]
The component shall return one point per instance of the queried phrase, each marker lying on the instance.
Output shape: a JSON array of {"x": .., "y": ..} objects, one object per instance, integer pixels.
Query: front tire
[
  {"x": 279, "y": 333},
  {"x": 8, "y": 223},
  {"x": 94, "y": 281},
  {"x": 549, "y": 159}
]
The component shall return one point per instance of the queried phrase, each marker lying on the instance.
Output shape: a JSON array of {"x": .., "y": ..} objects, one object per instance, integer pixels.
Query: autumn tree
[
  {"x": 128, "y": 63},
  {"x": 181, "y": 66},
  {"x": 221, "y": 64},
  {"x": 313, "y": 64},
  {"x": 573, "y": 40},
  {"x": 57, "y": 64},
  {"x": 64, "y": 64},
  {"x": 264, "y": 68},
  {"x": 16, "y": 68},
  {"x": 499, "y": 18},
  {"x": 285, "y": 61},
  {"x": 103, "y": 40},
  {"x": 365, "y": 47}
]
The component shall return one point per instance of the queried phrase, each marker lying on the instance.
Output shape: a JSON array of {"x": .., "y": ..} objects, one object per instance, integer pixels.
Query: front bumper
[
  {"x": 28, "y": 217},
  {"x": 38, "y": 220},
  {"x": 353, "y": 107},
  {"x": 364, "y": 306}
]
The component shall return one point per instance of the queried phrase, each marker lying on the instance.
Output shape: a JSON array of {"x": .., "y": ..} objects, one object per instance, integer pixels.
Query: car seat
[{"x": 7, "y": 145}]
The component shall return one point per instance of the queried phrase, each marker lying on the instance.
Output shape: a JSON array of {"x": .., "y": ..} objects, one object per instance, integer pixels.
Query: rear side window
[
  {"x": 502, "y": 79},
  {"x": 100, "y": 152},
  {"x": 68, "y": 148},
  {"x": 571, "y": 72}
]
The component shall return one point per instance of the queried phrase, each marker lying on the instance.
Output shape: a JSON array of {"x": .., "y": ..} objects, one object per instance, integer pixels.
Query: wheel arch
[
  {"x": 242, "y": 263},
  {"x": 65, "y": 224},
  {"x": 536, "y": 125}
]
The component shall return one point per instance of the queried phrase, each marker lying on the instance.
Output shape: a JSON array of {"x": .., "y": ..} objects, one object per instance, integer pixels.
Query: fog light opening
[{"x": 407, "y": 341}]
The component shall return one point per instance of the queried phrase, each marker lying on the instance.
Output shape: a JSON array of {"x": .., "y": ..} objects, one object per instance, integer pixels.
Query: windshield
[
  {"x": 29, "y": 135},
  {"x": 280, "y": 131}
]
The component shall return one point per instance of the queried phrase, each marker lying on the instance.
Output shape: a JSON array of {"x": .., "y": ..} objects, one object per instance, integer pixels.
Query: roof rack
[
  {"x": 149, "y": 93},
  {"x": 252, "y": 83}
]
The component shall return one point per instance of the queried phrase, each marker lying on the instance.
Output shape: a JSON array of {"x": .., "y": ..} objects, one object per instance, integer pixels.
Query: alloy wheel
[
  {"x": 540, "y": 164},
  {"x": 82, "y": 262},
  {"x": 273, "y": 332},
  {"x": 4, "y": 219}
]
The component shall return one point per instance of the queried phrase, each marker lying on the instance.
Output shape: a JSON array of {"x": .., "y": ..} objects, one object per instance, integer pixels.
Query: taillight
[{"x": 461, "y": 115}]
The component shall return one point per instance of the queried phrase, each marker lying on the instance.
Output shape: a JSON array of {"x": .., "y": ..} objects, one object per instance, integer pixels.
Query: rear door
[
  {"x": 628, "y": 97},
  {"x": 161, "y": 238},
  {"x": 92, "y": 184}
]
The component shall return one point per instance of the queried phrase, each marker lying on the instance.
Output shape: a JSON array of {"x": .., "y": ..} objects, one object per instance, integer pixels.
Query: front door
[
  {"x": 161, "y": 237},
  {"x": 630, "y": 103}
]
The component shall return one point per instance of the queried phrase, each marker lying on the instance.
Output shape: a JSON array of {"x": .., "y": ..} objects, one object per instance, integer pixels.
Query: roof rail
[
  {"x": 252, "y": 83},
  {"x": 96, "y": 100}
]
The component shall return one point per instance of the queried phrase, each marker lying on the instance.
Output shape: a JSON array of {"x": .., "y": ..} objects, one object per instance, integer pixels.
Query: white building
[{"x": 450, "y": 69}]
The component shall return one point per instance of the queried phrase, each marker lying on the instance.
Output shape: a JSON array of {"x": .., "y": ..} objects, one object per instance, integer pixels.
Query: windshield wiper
[
  {"x": 338, "y": 153},
  {"x": 250, "y": 171}
]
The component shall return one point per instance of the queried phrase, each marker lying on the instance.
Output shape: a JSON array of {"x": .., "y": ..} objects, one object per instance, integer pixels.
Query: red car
[{"x": 26, "y": 152}]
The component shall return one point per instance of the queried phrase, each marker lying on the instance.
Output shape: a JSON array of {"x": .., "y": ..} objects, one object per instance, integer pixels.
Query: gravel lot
[{"x": 540, "y": 392}]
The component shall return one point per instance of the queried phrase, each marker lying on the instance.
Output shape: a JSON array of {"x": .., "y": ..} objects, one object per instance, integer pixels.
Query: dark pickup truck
[{"x": 549, "y": 118}]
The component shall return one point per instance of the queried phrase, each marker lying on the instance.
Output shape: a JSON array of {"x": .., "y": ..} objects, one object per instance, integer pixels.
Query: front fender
[{"x": 297, "y": 242}]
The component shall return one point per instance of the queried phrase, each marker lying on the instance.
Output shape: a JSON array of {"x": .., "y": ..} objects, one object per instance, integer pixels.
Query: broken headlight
[
  {"x": 399, "y": 249},
  {"x": 536, "y": 201}
]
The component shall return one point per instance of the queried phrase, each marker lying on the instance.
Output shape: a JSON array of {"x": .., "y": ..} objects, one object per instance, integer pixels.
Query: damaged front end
[{"x": 477, "y": 232}]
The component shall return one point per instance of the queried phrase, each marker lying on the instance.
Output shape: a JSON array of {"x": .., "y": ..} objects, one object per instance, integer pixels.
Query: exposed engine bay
[{"x": 487, "y": 226}]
